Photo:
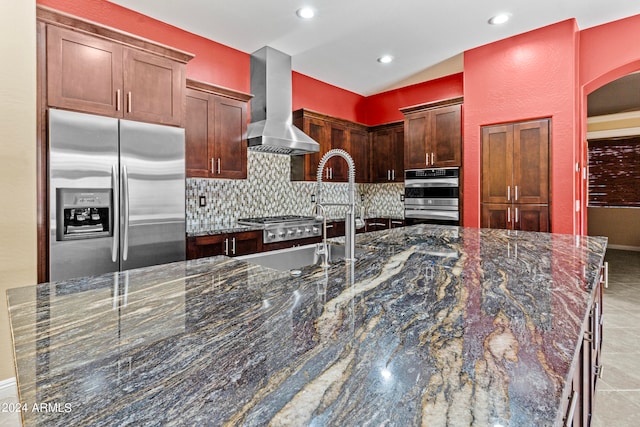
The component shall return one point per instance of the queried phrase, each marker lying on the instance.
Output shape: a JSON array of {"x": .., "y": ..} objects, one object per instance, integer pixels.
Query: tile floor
[
  {"x": 618, "y": 392},
  {"x": 617, "y": 400}
]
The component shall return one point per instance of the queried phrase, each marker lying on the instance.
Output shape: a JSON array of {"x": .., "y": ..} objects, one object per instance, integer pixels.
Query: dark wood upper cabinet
[
  {"x": 531, "y": 162},
  {"x": 96, "y": 75},
  {"x": 153, "y": 88},
  {"x": 515, "y": 163},
  {"x": 387, "y": 153},
  {"x": 515, "y": 176},
  {"x": 359, "y": 146},
  {"x": 433, "y": 135},
  {"x": 84, "y": 73},
  {"x": 330, "y": 133},
  {"x": 215, "y": 131}
]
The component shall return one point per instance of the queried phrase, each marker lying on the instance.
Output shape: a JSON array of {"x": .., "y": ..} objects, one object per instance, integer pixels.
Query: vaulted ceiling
[{"x": 341, "y": 43}]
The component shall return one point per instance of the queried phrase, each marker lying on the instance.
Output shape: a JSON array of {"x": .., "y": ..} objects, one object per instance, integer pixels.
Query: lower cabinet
[
  {"x": 580, "y": 396},
  {"x": 510, "y": 216},
  {"x": 231, "y": 244},
  {"x": 250, "y": 242},
  {"x": 375, "y": 224},
  {"x": 335, "y": 228}
]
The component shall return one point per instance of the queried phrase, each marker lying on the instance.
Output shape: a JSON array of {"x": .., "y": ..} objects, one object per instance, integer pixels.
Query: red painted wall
[
  {"x": 608, "y": 52},
  {"x": 385, "y": 107},
  {"x": 528, "y": 76},
  {"x": 324, "y": 98}
]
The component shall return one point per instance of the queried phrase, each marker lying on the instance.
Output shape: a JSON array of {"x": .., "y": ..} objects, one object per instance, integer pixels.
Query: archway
[{"x": 612, "y": 138}]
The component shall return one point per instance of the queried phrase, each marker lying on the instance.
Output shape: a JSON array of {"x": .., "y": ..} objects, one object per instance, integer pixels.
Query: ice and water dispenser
[{"x": 83, "y": 213}]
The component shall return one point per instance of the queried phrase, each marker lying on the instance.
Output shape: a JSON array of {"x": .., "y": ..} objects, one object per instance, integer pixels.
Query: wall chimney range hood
[{"x": 271, "y": 129}]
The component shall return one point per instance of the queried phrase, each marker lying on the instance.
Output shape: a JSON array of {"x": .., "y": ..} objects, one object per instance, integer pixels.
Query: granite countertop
[{"x": 432, "y": 325}]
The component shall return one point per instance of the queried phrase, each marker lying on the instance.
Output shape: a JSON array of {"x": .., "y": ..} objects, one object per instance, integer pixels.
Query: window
[{"x": 614, "y": 172}]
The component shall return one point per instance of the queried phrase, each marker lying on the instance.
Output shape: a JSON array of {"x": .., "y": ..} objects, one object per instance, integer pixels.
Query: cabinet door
[
  {"x": 382, "y": 155},
  {"x": 230, "y": 144},
  {"x": 416, "y": 129},
  {"x": 497, "y": 164},
  {"x": 531, "y": 162},
  {"x": 446, "y": 136},
  {"x": 359, "y": 146},
  {"x": 397, "y": 155},
  {"x": 317, "y": 130},
  {"x": 206, "y": 246},
  {"x": 496, "y": 215},
  {"x": 153, "y": 88},
  {"x": 530, "y": 217},
  {"x": 83, "y": 73},
  {"x": 338, "y": 168},
  {"x": 198, "y": 133},
  {"x": 248, "y": 242}
]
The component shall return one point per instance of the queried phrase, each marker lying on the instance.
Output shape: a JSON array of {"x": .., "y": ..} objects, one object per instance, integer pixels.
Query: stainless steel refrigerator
[{"x": 116, "y": 194}]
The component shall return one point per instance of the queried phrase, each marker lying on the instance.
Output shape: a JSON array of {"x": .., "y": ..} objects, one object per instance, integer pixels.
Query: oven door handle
[{"x": 421, "y": 183}]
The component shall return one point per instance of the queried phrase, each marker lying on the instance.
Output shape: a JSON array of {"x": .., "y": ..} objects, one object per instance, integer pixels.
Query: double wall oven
[{"x": 432, "y": 196}]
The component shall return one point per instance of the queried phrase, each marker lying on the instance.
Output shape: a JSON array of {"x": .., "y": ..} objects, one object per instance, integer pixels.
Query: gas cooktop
[
  {"x": 285, "y": 227},
  {"x": 275, "y": 219}
]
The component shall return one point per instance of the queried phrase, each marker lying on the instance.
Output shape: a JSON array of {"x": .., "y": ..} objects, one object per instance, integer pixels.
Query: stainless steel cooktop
[{"x": 285, "y": 227}]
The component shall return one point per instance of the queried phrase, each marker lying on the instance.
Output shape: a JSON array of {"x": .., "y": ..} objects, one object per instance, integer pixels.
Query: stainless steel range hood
[{"x": 271, "y": 129}]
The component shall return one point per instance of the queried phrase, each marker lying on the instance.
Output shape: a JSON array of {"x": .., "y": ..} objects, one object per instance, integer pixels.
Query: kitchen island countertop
[{"x": 431, "y": 325}]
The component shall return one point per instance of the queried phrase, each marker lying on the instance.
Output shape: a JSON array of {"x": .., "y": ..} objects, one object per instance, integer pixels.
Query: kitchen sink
[{"x": 293, "y": 258}]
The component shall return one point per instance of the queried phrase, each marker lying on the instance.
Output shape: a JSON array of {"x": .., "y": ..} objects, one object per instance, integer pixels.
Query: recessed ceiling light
[
  {"x": 385, "y": 59},
  {"x": 501, "y": 18},
  {"x": 305, "y": 13}
]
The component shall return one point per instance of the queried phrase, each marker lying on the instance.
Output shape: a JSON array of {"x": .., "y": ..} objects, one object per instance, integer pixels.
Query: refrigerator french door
[{"x": 117, "y": 194}]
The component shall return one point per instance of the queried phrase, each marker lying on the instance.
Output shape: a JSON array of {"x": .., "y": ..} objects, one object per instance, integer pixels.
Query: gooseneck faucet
[{"x": 350, "y": 221}]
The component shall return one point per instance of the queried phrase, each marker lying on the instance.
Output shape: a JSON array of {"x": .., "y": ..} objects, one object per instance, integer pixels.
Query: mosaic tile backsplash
[{"x": 268, "y": 191}]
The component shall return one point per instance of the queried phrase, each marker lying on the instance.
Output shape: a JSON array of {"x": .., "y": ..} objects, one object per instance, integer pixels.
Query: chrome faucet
[
  {"x": 350, "y": 220},
  {"x": 321, "y": 248}
]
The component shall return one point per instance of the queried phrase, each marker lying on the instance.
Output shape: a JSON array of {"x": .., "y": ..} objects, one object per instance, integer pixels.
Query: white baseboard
[
  {"x": 8, "y": 388},
  {"x": 624, "y": 247}
]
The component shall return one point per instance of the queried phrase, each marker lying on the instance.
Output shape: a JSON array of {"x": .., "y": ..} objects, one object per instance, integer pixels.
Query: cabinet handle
[
  {"x": 331, "y": 173},
  {"x": 326, "y": 173},
  {"x": 129, "y": 106},
  {"x": 572, "y": 409},
  {"x": 388, "y": 175},
  {"x": 396, "y": 222},
  {"x": 393, "y": 174},
  {"x": 426, "y": 158},
  {"x": 508, "y": 215},
  {"x": 233, "y": 246},
  {"x": 213, "y": 169},
  {"x": 118, "y": 100},
  {"x": 432, "y": 158},
  {"x": 226, "y": 246},
  {"x": 516, "y": 216},
  {"x": 329, "y": 225},
  {"x": 508, "y": 193},
  {"x": 218, "y": 165},
  {"x": 599, "y": 369},
  {"x": 516, "y": 193}
]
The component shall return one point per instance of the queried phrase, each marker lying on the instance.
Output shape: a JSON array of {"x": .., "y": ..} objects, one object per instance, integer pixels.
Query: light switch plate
[{"x": 203, "y": 201}]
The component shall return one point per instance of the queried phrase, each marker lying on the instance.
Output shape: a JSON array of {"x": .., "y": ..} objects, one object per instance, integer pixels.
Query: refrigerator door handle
[
  {"x": 115, "y": 218},
  {"x": 125, "y": 214}
]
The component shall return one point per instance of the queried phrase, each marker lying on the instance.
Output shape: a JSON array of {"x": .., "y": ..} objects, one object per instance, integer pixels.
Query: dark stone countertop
[{"x": 431, "y": 325}]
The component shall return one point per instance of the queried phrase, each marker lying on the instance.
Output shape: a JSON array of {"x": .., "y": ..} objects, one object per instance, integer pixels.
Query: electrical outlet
[
  {"x": 203, "y": 201},
  {"x": 362, "y": 197},
  {"x": 313, "y": 198},
  {"x": 402, "y": 197}
]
